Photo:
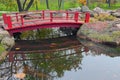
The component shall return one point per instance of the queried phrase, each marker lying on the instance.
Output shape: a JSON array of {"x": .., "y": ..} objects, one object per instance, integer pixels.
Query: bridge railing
[{"x": 38, "y": 17}]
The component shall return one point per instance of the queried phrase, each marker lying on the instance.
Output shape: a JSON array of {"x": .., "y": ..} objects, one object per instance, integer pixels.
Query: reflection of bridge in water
[{"x": 43, "y": 46}]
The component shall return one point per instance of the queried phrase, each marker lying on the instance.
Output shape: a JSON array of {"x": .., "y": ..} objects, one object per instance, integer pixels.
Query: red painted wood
[
  {"x": 42, "y": 19},
  {"x": 9, "y": 22},
  {"x": 17, "y": 17},
  {"x": 4, "y": 18},
  {"x": 87, "y": 17},
  {"x": 76, "y": 16},
  {"x": 11, "y": 56},
  {"x": 22, "y": 20}
]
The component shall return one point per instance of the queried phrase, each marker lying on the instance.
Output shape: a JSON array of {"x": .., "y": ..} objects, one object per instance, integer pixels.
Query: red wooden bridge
[{"x": 19, "y": 22}]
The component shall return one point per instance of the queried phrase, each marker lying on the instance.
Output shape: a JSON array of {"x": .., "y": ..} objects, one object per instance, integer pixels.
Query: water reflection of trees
[
  {"x": 55, "y": 64},
  {"x": 44, "y": 66}
]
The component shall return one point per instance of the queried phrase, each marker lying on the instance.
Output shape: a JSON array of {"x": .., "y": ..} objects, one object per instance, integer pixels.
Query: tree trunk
[
  {"x": 21, "y": 7},
  {"x": 29, "y": 5},
  {"x": 109, "y": 2},
  {"x": 47, "y": 4},
  {"x": 59, "y": 4}
]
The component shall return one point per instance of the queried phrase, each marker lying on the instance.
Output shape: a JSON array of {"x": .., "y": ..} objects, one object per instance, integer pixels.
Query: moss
[
  {"x": 101, "y": 37},
  {"x": 116, "y": 34},
  {"x": 104, "y": 17},
  {"x": 1, "y": 49}
]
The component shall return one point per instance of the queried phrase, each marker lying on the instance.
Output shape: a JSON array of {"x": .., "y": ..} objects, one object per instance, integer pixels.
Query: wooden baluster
[
  {"x": 87, "y": 17},
  {"x": 43, "y": 14},
  {"x": 51, "y": 16},
  {"x": 11, "y": 56},
  {"x": 67, "y": 15},
  {"x": 17, "y": 17},
  {"x": 22, "y": 20}
]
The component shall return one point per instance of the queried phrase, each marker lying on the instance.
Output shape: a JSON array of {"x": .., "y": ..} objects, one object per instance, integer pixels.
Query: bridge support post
[
  {"x": 87, "y": 17},
  {"x": 9, "y": 22},
  {"x": 4, "y": 18},
  {"x": 11, "y": 56}
]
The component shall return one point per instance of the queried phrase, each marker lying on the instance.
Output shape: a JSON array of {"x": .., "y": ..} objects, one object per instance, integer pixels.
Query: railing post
[
  {"x": 22, "y": 20},
  {"x": 87, "y": 17},
  {"x": 17, "y": 17},
  {"x": 9, "y": 22},
  {"x": 43, "y": 14},
  {"x": 51, "y": 16},
  {"x": 4, "y": 18},
  {"x": 11, "y": 56},
  {"x": 67, "y": 15},
  {"x": 76, "y": 16}
]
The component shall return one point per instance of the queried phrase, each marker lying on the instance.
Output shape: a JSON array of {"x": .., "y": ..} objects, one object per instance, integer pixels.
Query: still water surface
[
  {"x": 68, "y": 59},
  {"x": 99, "y": 67}
]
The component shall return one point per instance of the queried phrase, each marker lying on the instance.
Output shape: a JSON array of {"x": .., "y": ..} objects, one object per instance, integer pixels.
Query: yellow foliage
[{"x": 83, "y": 2}]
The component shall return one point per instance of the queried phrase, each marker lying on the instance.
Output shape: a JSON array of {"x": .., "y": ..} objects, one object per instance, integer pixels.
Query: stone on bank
[{"x": 101, "y": 32}]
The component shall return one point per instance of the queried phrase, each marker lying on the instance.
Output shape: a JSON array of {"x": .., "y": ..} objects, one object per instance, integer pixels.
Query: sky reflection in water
[{"x": 99, "y": 67}]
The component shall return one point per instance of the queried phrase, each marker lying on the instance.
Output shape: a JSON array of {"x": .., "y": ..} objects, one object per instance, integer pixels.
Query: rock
[
  {"x": 98, "y": 10},
  {"x": 3, "y": 34},
  {"x": 85, "y": 9},
  {"x": 8, "y": 42},
  {"x": 100, "y": 32},
  {"x": 116, "y": 13},
  {"x": 118, "y": 10},
  {"x": 75, "y": 9}
]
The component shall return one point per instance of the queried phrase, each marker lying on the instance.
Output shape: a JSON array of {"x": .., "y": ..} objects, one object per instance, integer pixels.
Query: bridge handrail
[{"x": 9, "y": 20}]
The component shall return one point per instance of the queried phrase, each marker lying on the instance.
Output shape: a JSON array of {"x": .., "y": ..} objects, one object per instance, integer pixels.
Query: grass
[{"x": 105, "y": 6}]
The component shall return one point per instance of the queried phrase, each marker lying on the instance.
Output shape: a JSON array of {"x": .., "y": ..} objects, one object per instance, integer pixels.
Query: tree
[{"x": 24, "y": 5}]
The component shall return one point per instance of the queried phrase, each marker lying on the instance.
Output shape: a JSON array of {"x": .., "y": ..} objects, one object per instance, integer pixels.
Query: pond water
[{"x": 63, "y": 59}]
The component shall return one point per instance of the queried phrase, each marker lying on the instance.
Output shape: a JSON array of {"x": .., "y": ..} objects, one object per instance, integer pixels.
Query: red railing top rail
[{"x": 24, "y": 19}]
